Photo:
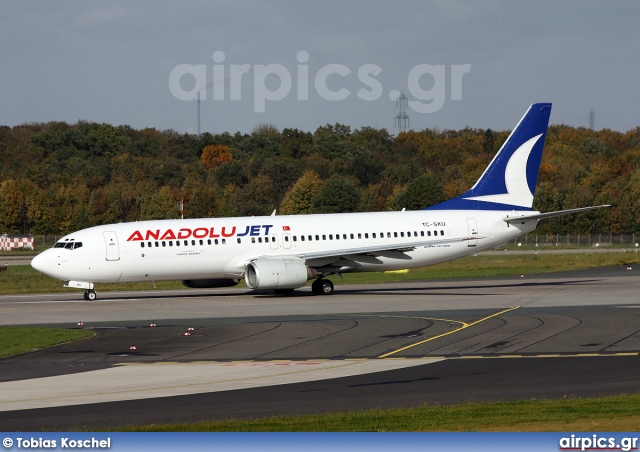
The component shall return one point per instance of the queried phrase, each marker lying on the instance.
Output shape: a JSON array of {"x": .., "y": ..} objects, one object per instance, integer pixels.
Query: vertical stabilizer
[{"x": 509, "y": 181}]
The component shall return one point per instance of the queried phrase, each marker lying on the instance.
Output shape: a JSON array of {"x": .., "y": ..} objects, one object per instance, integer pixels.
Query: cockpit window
[{"x": 68, "y": 245}]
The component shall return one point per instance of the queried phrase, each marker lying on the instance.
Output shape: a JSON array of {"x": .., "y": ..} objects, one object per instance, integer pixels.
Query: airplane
[{"x": 283, "y": 253}]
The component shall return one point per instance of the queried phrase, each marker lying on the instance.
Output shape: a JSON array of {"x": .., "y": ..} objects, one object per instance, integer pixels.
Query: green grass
[
  {"x": 23, "y": 279},
  {"x": 483, "y": 266},
  {"x": 21, "y": 339},
  {"x": 613, "y": 413}
]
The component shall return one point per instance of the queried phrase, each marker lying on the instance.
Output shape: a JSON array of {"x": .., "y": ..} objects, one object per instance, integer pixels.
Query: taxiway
[{"x": 254, "y": 354}]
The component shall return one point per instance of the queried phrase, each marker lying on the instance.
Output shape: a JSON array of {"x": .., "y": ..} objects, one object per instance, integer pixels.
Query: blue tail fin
[{"x": 510, "y": 180}]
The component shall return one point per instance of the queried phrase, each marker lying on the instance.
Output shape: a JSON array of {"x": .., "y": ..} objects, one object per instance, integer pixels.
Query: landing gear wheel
[
  {"x": 322, "y": 287},
  {"x": 327, "y": 287},
  {"x": 316, "y": 287},
  {"x": 90, "y": 295}
]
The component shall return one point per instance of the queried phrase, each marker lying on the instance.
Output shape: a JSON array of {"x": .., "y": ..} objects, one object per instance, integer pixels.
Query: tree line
[{"x": 57, "y": 177}]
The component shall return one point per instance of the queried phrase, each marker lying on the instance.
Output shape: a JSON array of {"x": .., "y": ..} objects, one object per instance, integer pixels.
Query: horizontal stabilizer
[{"x": 540, "y": 216}]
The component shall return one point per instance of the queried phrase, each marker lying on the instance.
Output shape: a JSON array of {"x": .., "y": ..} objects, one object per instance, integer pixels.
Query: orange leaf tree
[{"x": 215, "y": 155}]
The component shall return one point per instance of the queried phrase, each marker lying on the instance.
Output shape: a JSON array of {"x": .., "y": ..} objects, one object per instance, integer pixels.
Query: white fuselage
[{"x": 222, "y": 247}]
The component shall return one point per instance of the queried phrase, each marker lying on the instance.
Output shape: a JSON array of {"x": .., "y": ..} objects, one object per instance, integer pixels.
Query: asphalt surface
[{"x": 568, "y": 334}]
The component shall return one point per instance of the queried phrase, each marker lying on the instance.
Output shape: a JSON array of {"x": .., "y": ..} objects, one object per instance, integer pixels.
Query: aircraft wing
[{"x": 369, "y": 255}]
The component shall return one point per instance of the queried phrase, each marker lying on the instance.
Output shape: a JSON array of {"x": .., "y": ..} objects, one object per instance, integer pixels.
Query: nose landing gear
[{"x": 90, "y": 295}]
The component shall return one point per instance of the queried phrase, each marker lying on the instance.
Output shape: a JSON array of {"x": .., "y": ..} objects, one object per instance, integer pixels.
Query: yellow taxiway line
[{"x": 464, "y": 326}]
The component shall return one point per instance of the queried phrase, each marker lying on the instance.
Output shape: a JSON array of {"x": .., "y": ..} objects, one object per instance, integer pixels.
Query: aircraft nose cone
[{"x": 42, "y": 263}]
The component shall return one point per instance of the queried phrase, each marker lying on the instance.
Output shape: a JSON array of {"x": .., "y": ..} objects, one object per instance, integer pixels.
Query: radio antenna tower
[
  {"x": 592, "y": 119},
  {"x": 402, "y": 120},
  {"x": 198, "y": 113}
]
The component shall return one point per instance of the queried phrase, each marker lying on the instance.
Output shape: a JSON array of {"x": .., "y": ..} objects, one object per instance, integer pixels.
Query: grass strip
[
  {"x": 609, "y": 413},
  {"x": 21, "y": 339}
]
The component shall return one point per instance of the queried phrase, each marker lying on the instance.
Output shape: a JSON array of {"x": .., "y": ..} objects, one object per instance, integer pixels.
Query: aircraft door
[
  {"x": 111, "y": 242},
  {"x": 286, "y": 240},
  {"x": 273, "y": 240},
  {"x": 473, "y": 231}
]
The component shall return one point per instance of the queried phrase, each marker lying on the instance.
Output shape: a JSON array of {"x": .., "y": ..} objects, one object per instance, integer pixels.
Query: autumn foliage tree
[
  {"x": 215, "y": 155},
  {"x": 57, "y": 177},
  {"x": 298, "y": 198}
]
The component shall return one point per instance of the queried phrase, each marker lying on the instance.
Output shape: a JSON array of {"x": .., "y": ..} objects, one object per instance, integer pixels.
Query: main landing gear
[
  {"x": 322, "y": 287},
  {"x": 90, "y": 295}
]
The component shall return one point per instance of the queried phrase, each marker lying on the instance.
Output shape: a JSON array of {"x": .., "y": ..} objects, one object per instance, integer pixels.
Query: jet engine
[{"x": 276, "y": 273}]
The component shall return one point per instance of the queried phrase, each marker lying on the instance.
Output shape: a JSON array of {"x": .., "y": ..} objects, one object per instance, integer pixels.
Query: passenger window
[
  {"x": 224, "y": 241},
  {"x": 351, "y": 236},
  {"x": 359, "y": 235},
  {"x": 164, "y": 244},
  {"x": 259, "y": 239},
  {"x": 402, "y": 234},
  {"x": 286, "y": 238},
  {"x": 441, "y": 232},
  {"x": 177, "y": 242},
  {"x": 208, "y": 241},
  {"x": 215, "y": 241},
  {"x": 193, "y": 242},
  {"x": 366, "y": 235},
  {"x": 330, "y": 236},
  {"x": 421, "y": 233},
  {"x": 395, "y": 234},
  {"x": 337, "y": 236},
  {"x": 388, "y": 235},
  {"x": 317, "y": 237},
  {"x": 253, "y": 240},
  {"x": 239, "y": 240},
  {"x": 186, "y": 243},
  {"x": 295, "y": 238},
  {"x": 141, "y": 244},
  {"x": 374, "y": 235},
  {"x": 273, "y": 239},
  {"x": 157, "y": 244},
  {"x": 170, "y": 242},
  {"x": 324, "y": 237},
  {"x": 201, "y": 242},
  {"x": 302, "y": 238}
]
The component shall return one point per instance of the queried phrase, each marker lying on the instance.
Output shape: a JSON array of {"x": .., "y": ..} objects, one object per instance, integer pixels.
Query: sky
[{"x": 305, "y": 64}]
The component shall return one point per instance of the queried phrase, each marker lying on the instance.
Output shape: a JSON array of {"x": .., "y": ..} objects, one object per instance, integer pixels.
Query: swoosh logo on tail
[{"x": 515, "y": 175}]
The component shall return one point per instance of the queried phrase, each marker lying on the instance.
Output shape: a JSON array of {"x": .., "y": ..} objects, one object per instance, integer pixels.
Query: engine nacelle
[
  {"x": 208, "y": 283},
  {"x": 276, "y": 273}
]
